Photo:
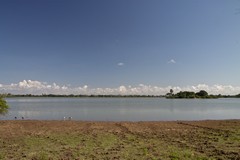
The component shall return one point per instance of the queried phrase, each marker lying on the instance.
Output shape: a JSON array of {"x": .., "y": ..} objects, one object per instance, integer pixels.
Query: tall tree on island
[
  {"x": 202, "y": 94},
  {"x": 171, "y": 92}
]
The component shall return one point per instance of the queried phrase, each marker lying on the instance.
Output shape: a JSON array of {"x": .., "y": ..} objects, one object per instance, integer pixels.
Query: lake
[{"x": 122, "y": 109}]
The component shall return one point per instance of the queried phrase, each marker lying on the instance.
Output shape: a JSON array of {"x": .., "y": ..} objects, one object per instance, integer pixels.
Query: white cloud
[
  {"x": 172, "y": 61},
  {"x": 120, "y": 64},
  {"x": 31, "y": 84},
  {"x": 64, "y": 87},
  {"x": 122, "y": 89},
  {"x": 55, "y": 86},
  {"x": 37, "y": 87},
  {"x": 85, "y": 86}
]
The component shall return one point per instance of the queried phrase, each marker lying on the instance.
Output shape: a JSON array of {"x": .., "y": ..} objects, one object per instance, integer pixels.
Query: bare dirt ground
[{"x": 120, "y": 140}]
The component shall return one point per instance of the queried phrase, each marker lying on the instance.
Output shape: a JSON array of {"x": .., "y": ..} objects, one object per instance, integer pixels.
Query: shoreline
[{"x": 99, "y": 121}]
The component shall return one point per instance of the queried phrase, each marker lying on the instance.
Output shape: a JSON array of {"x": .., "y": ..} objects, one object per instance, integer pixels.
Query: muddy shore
[{"x": 210, "y": 139}]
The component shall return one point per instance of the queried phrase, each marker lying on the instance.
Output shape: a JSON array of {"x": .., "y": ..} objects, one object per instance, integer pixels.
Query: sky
[{"x": 119, "y": 46}]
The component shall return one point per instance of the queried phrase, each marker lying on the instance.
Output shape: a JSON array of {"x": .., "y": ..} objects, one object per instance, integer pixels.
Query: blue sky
[{"x": 112, "y": 43}]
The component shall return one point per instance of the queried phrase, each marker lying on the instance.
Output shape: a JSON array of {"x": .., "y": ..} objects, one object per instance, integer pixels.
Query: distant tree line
[
  {"x": 181, "y": 94},
  {"x": 73, "y": 95}
]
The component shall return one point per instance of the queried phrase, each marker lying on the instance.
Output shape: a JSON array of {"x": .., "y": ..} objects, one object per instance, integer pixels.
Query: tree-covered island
[{"x": 190, "y": 94}]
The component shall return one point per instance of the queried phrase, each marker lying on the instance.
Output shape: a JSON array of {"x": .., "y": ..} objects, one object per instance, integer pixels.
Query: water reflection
[{"x": 122, "y": 109}]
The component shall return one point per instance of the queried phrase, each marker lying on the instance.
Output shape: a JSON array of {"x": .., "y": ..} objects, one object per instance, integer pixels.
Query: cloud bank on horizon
[{"x": 37, "y": 87}]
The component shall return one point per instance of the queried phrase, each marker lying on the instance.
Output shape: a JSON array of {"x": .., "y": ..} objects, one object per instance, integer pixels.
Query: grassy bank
[{"x": 43, "y": 140}]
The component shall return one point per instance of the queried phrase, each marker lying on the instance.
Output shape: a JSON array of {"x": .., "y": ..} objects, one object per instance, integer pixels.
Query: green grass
[
  {"x": 88, "y": 146},
  {"x": 201, "y": 144}
]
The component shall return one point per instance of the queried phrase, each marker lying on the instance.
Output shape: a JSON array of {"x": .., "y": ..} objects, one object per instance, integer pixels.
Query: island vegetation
[
  {"x": 189, "y": 94},
  {"x": 201, "y": 94}
]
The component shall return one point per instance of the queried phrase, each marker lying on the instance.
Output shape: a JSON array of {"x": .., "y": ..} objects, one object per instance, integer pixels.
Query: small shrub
[{"x": 3, "y": 106}]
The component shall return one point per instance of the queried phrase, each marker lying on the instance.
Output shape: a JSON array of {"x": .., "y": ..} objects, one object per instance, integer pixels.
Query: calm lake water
[{"x": 122, "y": 109}]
